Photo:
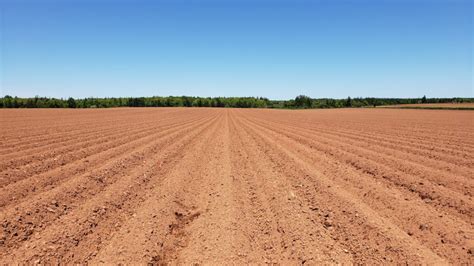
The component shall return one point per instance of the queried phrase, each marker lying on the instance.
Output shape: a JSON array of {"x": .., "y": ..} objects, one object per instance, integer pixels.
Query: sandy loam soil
[{"x": 215, "y": 186}]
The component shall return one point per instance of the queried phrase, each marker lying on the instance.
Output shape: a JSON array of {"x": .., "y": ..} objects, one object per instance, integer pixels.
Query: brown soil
[{"x": 221, "y": 186}]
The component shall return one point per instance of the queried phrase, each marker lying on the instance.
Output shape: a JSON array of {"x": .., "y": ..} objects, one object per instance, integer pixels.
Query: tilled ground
[{"x": 236, "y": 186}]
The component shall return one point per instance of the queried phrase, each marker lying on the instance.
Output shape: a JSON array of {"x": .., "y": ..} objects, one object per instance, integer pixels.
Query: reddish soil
[{"x": 221, "y": 186}]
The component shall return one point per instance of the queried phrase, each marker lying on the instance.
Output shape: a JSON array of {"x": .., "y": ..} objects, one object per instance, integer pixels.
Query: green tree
[
  {"x": 7, "y": 101},
  {"x": 302, "y": 101},
  {"x": 71, "y": 103},
  {"x": 348, "y": 102}
]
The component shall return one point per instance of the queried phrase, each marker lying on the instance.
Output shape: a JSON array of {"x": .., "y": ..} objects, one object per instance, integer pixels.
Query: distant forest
[{"x": 300, "y": 102}]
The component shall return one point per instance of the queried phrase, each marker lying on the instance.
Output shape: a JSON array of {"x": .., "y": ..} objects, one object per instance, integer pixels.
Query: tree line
[
  {"x": 303, "y": 101},
  {"x": 155, "y": 101},
  {"x": 300, "y": 102}
]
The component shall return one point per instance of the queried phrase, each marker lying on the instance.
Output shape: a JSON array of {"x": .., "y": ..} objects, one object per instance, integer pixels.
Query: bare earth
[{"x": 218, "y": 186}]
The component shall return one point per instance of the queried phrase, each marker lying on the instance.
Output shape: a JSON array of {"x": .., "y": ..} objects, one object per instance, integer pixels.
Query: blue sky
[{"x": 277, "y": 49}]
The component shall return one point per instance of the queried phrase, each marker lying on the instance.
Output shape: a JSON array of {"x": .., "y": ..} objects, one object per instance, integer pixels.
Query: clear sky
[{"x": 277, "y": 49}]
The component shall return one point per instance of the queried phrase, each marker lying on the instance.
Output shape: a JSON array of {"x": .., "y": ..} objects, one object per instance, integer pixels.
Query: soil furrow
[
  {"x": 351, "y": 220},
  {"x": 22, "y": 181},
  {"x": 391, "y": 142},
  {"x": 19, "y": 223},
  {"x": 60, "y": 139},
  {"x": 402, "y": 208},
  {"x": 236, "y": 186},
  {"x": 63, "y": 131},
  {"x": 79, "y": 150},
  {"x": 432, "y": 188},
  {"x": 160, "y": 224},
  {"x": 396, "y": 132}
]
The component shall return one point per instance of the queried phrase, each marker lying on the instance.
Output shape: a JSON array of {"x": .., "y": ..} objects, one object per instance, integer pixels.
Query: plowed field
[{"x": 225, "y": 186}]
